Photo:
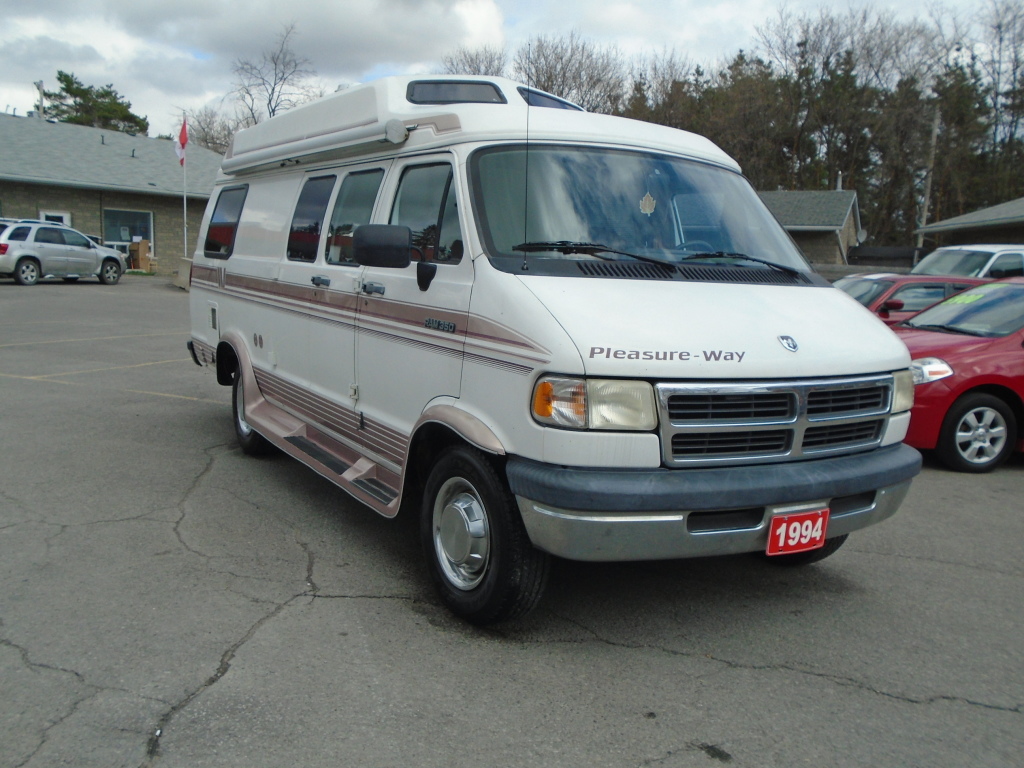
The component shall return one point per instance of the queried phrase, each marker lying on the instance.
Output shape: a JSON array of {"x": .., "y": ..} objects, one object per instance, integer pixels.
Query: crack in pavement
[
  {"x": 153, "y": 744},
  {"x": 836, "y": 679}
]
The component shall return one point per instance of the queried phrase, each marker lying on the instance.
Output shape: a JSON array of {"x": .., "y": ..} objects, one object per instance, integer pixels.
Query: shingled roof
[
  {"x": 1004, "y": 214},
  {"x": 42, "y": 152},
  {"x": 822, "y": 211}
]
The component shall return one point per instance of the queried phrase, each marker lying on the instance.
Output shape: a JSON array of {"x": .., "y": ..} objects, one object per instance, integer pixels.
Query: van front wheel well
[{"x": 227, "y": 364}]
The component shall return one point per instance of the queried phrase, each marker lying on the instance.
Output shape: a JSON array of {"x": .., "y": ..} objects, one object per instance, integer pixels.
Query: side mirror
[
  {"x": 382, "y": 245},
  {"x": 892, "y": 305}
]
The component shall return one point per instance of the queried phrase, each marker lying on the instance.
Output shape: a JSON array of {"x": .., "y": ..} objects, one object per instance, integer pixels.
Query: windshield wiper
[
  {"x": 588, "y": 249},
  {"x": 947, "y": 329},
  {"x": 745, "y": 257}
]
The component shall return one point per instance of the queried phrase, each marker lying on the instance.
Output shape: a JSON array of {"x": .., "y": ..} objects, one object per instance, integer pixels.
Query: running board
[{"x": 364, "y": 479}]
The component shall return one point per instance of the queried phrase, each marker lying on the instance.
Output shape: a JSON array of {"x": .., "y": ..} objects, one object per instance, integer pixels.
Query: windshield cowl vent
[
  {"x": 630, "y": 270},
  {"x": 740, "y": 275}
]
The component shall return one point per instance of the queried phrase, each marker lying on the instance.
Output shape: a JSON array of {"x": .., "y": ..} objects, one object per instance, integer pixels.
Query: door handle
[
  {"x": 320, "y": 281},
  {"x": 373, "y": 288}
]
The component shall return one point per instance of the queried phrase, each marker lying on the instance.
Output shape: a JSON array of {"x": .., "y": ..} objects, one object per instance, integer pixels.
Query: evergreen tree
[{"x": 87, "y": 105}]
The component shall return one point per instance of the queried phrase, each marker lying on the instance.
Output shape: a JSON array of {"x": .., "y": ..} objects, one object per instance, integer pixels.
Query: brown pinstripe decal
[
  {"x": 387, "y": 319},
  {"x": 331, "y": 417}
]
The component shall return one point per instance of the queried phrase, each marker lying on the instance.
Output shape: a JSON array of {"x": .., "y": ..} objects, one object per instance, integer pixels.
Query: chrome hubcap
[
  {"x": 461, "y": 534},
  {"x": 980, "y": 436}
]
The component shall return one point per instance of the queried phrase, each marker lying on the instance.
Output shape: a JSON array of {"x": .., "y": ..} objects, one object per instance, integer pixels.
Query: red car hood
[{"x": 922, "y": 343}]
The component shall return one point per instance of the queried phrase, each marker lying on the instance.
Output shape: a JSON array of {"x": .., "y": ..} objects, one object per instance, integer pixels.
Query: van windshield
[{"x": 547, "y": 203}]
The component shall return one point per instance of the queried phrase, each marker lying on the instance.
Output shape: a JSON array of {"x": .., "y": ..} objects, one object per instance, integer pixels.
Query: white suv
[
  {"x": 994, "y": 261},
  {"x": 30, "y": 250}
]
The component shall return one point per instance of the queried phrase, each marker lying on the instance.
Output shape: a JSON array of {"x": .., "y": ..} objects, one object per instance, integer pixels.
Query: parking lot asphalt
[{"x": 168, "y": 601}]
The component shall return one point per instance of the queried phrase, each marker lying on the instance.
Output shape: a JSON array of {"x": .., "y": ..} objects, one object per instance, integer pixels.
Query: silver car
[{"x": 32, "y": 250}]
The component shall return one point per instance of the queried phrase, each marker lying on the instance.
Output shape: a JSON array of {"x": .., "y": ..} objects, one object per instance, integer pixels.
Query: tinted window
[
  {"x": 917, "y": 297},
  {"x": 453, "y": 92},
  {"x": 308, "y": 220},
  {"x": 1007, "y": 265},
  {"x": 77, "y": 240},
  {"x": 18, "y": 233},
  {"x": 220, "y": 236},
  {"x": 996, "y": 309},
  {"x": 426, "y": 204},
  {"x": 953, "y": 262},
  {"x": 538, "y": 99},
  {"x": 49, "y": 235},
  {"x": 864, "y": 291},
  {"x": 352, "y": 208}
]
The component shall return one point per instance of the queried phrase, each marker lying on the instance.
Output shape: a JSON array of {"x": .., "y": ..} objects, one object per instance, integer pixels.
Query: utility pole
[{"x": 928, "y": 179}]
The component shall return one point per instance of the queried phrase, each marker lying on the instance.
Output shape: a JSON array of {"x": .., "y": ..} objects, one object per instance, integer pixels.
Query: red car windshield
[{"x": 996, "y": 309}]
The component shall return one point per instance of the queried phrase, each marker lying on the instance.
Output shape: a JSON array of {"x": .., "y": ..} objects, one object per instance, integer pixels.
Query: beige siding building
[{"x": 117, "y": 186}]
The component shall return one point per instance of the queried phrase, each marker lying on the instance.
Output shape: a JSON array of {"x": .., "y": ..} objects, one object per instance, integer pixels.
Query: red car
[
  {"x": 968, "y": 363},
  {"x": 894, "y": 298}
]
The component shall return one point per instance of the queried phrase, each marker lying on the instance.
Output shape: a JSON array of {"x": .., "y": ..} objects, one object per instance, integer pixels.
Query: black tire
[
  {"x": 978, "y": 434},
  {"x": 250, "y": 441},
  {"x": 27, "y": 271},
  {"x": 478, "y": 552},
  {"x": 110, "y": 272},
  {"x": 806, "y": 558}
]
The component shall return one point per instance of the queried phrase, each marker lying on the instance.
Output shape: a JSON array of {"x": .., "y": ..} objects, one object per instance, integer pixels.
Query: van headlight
[
  {"x": 611, "y": 404},
  {"x": 903, "y": 391}
]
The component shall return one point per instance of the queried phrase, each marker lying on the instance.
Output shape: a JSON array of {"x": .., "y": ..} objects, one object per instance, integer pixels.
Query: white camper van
[{"x": 544, "y": 332}]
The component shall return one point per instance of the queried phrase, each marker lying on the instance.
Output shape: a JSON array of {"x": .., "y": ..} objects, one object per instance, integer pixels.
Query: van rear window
[
  {"x": 454, "y": 92},
  {"x": 220, "y": 235}
]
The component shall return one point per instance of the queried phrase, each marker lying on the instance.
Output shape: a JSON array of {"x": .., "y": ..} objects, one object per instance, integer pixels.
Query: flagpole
[{"x": 184, "y": 196}]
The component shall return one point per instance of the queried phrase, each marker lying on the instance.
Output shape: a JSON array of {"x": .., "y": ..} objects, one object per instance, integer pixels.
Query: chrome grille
[{"x": 716, "y": 423}]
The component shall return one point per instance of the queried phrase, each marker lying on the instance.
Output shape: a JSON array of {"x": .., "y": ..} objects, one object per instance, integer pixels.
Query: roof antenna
[{"x": 526, "y": 174}]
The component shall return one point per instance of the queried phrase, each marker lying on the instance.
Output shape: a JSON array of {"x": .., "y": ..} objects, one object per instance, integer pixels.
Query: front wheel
[
  {"x": 478, "y": 552},
  {"x": 110, "y": 273},
  {"x": 978, "y": 434},
  {"x": 250, "y": 441}
]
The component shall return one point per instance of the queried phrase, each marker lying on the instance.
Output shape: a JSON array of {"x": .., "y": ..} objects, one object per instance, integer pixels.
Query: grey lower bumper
[{"x": 585, "y": 514}]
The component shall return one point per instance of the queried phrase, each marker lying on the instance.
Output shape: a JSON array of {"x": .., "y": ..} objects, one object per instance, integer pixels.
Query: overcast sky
[{"x": 164, "y": 57}]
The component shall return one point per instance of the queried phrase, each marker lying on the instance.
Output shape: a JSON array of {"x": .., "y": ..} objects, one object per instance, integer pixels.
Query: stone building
[
  {"x": 825, "y": 224},
  {"x": 117, "y": 186}
]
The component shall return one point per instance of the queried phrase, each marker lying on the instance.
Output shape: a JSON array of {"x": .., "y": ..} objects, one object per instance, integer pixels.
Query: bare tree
[
  {"x": 485, "y": 60},
  {"x": 575, "y": 69},
  {"x": 209, "y": 127},
  {"x": 275, "y": 82}
]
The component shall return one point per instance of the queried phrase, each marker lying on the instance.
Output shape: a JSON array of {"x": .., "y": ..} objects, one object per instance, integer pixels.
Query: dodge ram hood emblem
[{"x": 789, "y": 343}]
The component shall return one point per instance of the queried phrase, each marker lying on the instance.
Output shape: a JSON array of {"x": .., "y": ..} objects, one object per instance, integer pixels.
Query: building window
[
  {"x": 121, "y": 228},
  {"x": 57, "y": 217}
]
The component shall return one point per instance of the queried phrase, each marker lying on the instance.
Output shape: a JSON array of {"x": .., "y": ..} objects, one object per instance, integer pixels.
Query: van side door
[
  {"x": 332, "y": 331},
  {"x": 412, "y": 321}
]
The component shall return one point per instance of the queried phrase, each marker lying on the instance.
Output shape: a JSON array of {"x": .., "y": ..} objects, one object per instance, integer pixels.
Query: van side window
[
  {"x": 308, "y": 220},
  {"x": 352, "y": 208},
  {"x": 18, "y": 233},
  {"x": 426, "y": 203},
  {"x": 220, "y": 235}
]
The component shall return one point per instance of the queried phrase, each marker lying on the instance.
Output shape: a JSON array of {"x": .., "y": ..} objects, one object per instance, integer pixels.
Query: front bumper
[{"x": 603, "y": 515}]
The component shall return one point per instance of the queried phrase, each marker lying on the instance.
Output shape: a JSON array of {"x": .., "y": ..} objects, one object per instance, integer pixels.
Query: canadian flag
[{"x": 181, "y": 141}]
